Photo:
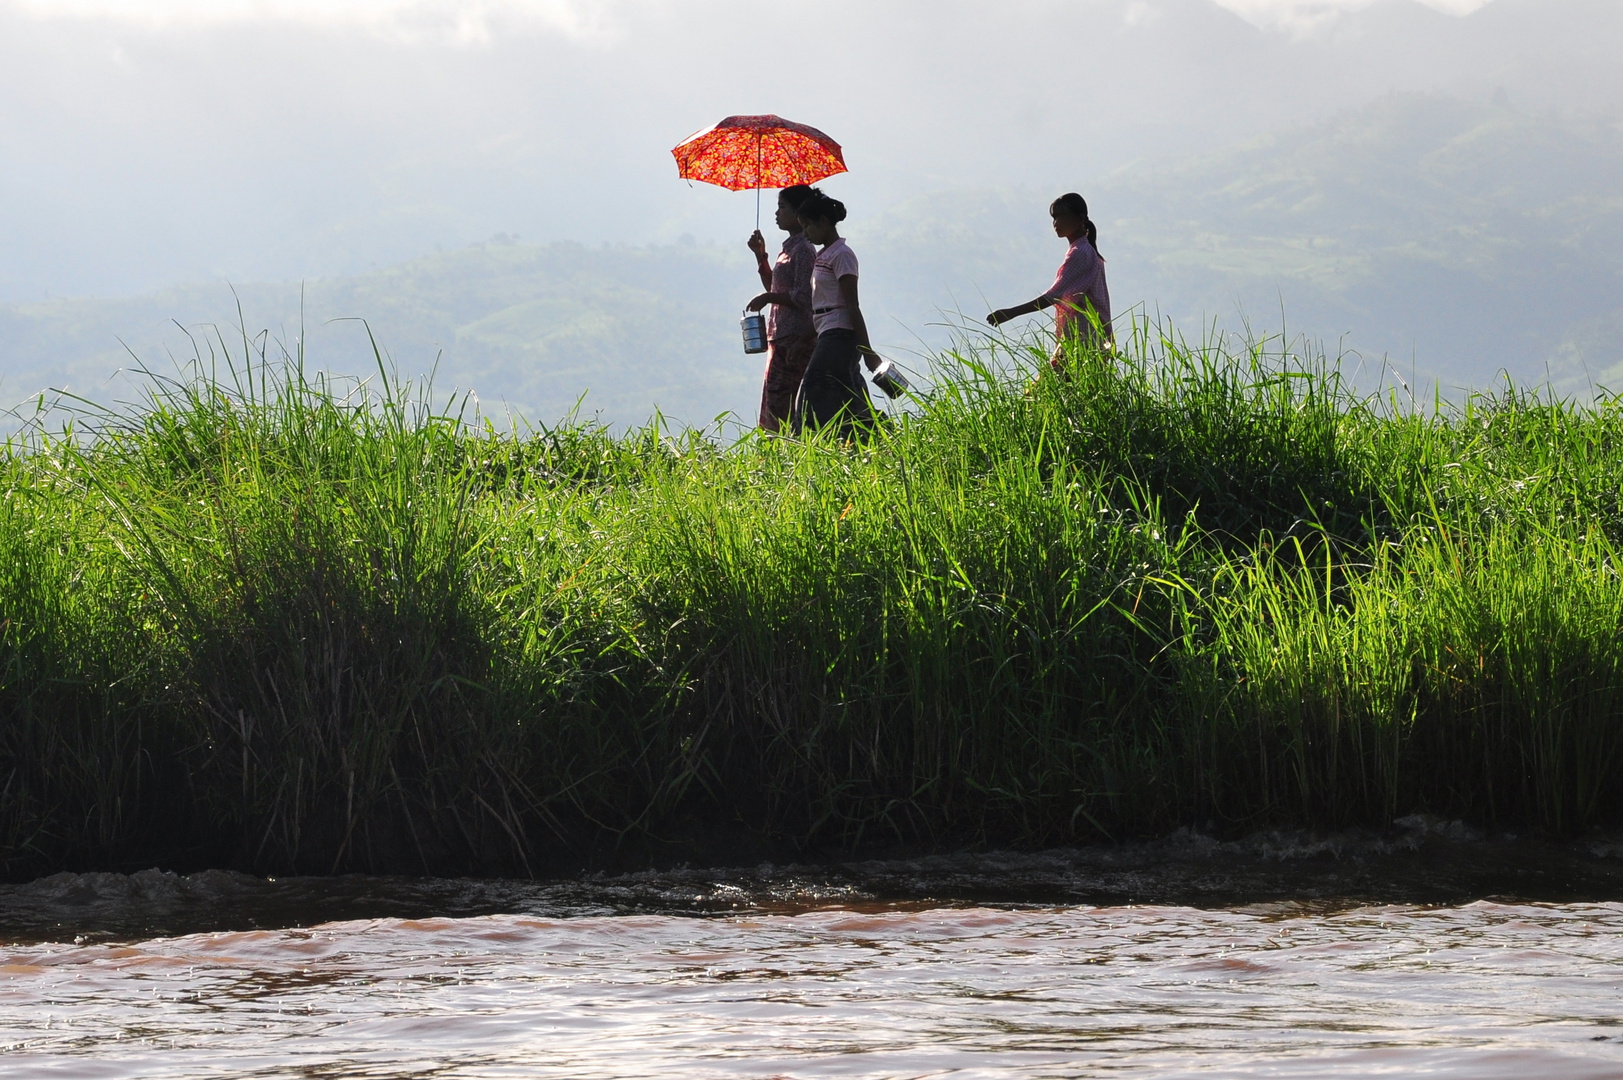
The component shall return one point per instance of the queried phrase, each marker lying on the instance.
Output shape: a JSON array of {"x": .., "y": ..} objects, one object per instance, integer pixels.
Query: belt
[{"x": 826, "y": 310}]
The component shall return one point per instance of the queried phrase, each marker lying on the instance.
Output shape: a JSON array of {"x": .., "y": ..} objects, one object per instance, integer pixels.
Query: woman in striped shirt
[{"x": 1079, "y": 296}]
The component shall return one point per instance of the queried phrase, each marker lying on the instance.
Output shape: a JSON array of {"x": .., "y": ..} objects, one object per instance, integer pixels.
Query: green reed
[{"x": 289, "y": 622}]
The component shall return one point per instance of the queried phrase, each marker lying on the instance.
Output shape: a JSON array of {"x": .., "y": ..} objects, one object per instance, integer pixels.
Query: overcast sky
[
  {"x": 147, "y": 142},
  {"x": 469, "y": 21}
]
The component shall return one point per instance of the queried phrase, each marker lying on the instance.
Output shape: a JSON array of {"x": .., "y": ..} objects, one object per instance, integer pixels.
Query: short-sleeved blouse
[
  {"x": 1079, "y": 283},
  {"x": 835, "y": 261}
]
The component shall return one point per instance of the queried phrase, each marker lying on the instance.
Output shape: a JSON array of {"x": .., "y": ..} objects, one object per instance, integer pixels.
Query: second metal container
[{"x": 889, "y": 378}]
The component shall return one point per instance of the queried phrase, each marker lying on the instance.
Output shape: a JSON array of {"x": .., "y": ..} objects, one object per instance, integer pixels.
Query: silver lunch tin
[{"x": 754, "y": 327}]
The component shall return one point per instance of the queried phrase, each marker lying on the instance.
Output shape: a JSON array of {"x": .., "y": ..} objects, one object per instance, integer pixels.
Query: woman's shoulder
[
  {"x": 838, "y": 251},
  {"x": 1082, "y": 251},
  {"x": 1081, "y": 258}
]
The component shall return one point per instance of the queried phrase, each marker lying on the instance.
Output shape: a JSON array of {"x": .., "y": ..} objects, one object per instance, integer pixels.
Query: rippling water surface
[{"x": 881, "y": 970}]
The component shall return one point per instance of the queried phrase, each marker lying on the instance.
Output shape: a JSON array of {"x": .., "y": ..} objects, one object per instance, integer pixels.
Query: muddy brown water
[{"x": 1433, "y": 951}]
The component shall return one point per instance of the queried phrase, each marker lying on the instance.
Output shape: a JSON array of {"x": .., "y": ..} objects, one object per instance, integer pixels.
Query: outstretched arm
[{"x": 1003, "y": 315}]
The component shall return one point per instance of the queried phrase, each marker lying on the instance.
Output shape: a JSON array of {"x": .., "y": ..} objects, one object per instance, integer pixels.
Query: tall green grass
[{"x": 292, "y": 623}]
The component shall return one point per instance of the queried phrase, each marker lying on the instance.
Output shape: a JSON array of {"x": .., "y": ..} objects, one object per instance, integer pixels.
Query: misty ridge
[
  {"x": 1403, "y": 186},
  {"x": 1450, "y": 239}
]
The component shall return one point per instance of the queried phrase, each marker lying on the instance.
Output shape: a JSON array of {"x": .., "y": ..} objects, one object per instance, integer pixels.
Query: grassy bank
[{"x": 289, "y": 624}]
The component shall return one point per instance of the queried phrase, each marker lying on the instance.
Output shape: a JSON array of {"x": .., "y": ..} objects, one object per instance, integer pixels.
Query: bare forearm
[
  {"x": 859, "y": 327},
  {"x": 782, "y": 299},
  {"x": 1003, "y": 315}
]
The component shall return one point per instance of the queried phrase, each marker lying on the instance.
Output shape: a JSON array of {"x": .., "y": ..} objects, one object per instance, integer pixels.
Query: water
[{"x": 1277, "y": 957}]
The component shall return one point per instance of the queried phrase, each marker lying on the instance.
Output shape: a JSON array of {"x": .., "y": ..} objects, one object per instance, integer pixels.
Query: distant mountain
[
  {"x": 1455, "y": 239},
  {"x": 134, "y": 154}
]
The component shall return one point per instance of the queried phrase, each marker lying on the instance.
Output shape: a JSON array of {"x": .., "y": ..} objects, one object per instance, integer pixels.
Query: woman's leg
[
  {"x": 832, "y": 389},
  {"x": 785, "y": 367},
  {"x": 769, "y": 419}
]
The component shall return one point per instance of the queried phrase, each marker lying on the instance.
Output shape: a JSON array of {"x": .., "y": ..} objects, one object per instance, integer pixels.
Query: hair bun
[{"x": 821, "y": 207}]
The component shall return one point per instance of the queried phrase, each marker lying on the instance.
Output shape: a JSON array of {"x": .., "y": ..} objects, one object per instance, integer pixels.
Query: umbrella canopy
[{"x": 744, "y": 152}]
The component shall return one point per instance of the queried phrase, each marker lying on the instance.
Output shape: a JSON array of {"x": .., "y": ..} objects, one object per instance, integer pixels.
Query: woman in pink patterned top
[
  {"x": 790, "y": 336},
  {"x": 1079, "y": 296}
]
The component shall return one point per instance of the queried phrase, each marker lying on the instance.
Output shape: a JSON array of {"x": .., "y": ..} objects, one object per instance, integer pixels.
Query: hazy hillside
[
  {"x": 1457, "y": 238},
  {"x": 1467, "y": 237},
  {"x": 527, "y": 327}
]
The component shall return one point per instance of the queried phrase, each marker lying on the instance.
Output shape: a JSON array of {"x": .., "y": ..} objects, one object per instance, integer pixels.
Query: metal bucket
[
  {"x": 889, "y": 378},
  {"x": 754, "y": 327}
]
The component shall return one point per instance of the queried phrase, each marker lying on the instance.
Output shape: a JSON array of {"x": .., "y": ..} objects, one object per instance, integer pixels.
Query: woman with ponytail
[{"x": 1079, "y": 296}]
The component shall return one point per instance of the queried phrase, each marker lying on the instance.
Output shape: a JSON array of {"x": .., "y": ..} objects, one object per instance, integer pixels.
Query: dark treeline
[{"x": 292, "y": 625}]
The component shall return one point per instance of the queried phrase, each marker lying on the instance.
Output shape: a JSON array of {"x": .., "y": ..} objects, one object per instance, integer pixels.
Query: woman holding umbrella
[
  {"x": 832, "y": 390},
  {"x": 790, "y": 335}
]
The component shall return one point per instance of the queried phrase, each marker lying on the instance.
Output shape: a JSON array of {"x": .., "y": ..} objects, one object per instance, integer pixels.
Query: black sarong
[{"x": 832, "y": 391}]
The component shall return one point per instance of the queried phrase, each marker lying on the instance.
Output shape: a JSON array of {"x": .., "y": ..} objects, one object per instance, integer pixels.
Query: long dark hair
[{"x": 1077, "y": 206}]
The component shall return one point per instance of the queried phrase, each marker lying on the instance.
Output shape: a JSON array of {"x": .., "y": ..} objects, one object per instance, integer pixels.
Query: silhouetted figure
[
  {"x": 832, "y": 390},
  {"x": 1079, "y": 296}
]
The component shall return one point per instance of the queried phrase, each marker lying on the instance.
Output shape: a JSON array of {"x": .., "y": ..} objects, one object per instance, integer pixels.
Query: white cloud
[
  {"x": 1306, "y": 14},
  {"x": 454, "y": 20},
  {"x": 1140, "y": 13}
]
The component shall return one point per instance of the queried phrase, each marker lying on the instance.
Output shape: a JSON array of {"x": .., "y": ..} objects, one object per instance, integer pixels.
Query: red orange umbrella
[{"x": 744, "y": 152}]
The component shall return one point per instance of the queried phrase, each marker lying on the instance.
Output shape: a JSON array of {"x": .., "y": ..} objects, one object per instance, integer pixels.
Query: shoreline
[{"x": 1422, "y": 863}]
